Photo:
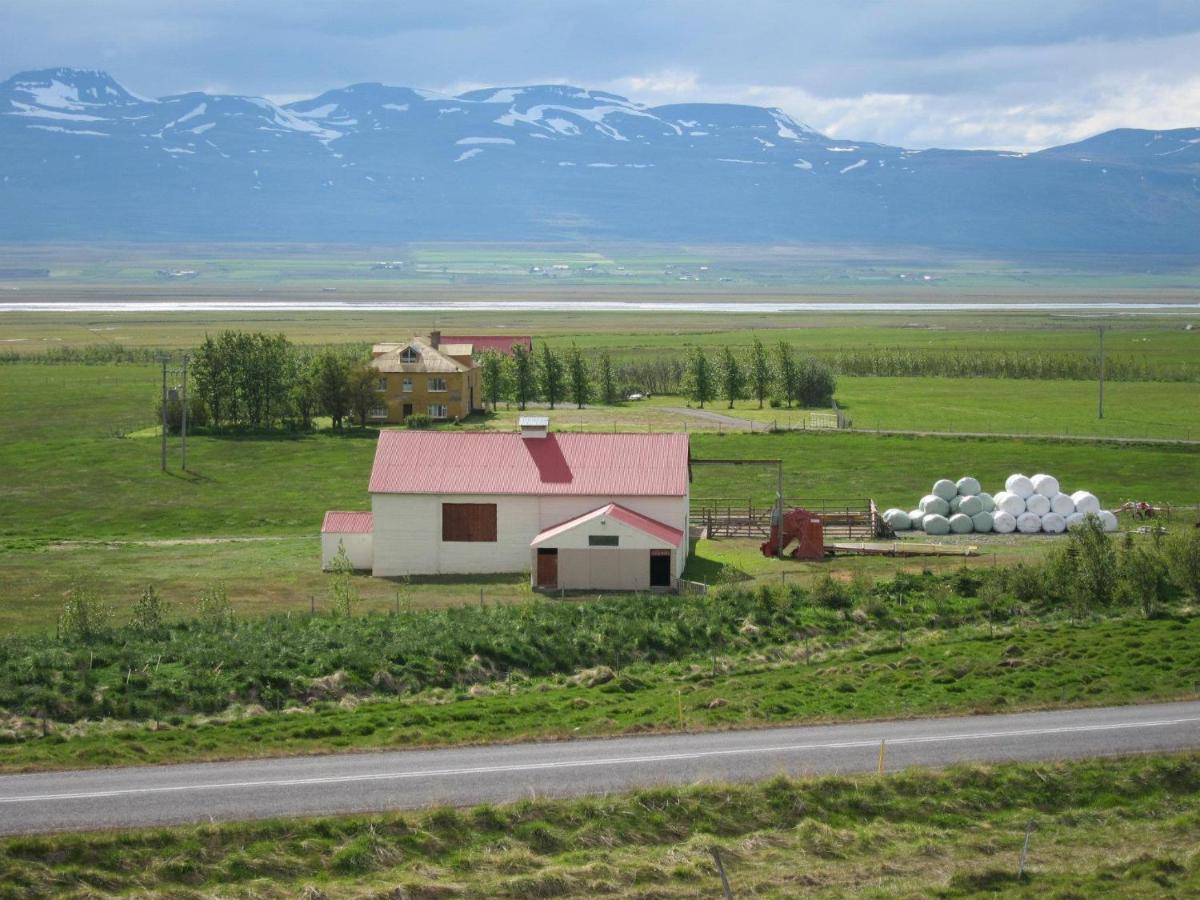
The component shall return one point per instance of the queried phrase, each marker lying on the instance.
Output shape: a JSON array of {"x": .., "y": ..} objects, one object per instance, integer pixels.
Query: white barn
[{"x": 576, "y": 511}]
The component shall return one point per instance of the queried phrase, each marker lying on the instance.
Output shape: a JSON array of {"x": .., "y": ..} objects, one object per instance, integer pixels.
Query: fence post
[{"x": 716, "y": 855}]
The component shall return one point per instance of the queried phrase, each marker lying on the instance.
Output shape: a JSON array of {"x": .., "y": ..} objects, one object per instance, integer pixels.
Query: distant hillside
[{"x": 82, "y": 157}]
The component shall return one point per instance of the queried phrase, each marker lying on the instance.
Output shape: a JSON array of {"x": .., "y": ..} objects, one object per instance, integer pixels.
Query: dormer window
[{"x": 410, "y": 355}]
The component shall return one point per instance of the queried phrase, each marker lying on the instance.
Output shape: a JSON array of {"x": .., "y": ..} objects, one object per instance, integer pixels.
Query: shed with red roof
[{"x": 612, "y": 508}]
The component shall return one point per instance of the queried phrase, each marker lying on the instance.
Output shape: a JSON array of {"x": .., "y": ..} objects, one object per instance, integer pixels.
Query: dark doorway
[
  {"x": 547, "y": 567},
  {"x": 660, "y": 568},
  {"x": 406, "y": 411}
]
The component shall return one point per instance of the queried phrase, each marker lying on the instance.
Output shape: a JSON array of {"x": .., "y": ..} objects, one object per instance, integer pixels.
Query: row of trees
[
  {"x": 548, "y": 375},
  {"x": 257, "y": 380}
]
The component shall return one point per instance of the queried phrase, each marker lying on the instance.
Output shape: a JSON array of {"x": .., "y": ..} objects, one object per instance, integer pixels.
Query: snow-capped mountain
[{"x": 82, "y": 157}]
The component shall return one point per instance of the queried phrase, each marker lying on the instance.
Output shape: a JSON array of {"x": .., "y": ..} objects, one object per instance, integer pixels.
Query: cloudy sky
[{"x": 1019, "y": 74}]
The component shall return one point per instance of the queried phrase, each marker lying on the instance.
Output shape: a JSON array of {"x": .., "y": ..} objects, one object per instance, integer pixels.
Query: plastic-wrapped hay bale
[
  {"x": 969, "y": 505},
  {"x": 1003, "y": 523},
  {"x": 1029, "y": 523},
  {"x": 982, "y": 521},
  {"x": 946, "y": 489},
  {"x": 936, "y": 524},
  {"x": 1085, "y": 502},
  {"x": 1011, "y": 503},
  {"x": 1053, "y": 523},
  {"x": 954, "y": 503},
  {"x": 1108, "y": 520},
  {"x": 897, "y": 519},
  {"x": 1046, "y": 485},
  {"x": 961, "y": 524},
  {"x": 1020, "y": 485},
  {"x": 1062, "y": 504},
  {"x": 915, "y": 518},
  {"x": 1038, "y": 504},
  {"x": 1075, "y": 520},
  {"x": 932, "y": 503},
  {"x": 988, "y": 501},
  {"x": 968, "y": 486}
]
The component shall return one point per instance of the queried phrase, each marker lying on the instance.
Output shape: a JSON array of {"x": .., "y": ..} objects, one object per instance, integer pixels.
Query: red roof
[
  {"x": 338, "y": 522},
  {"x": 501, "y": 343},
  {"x": 447, "y": 462},
  {"x": 636, "y": 520}
]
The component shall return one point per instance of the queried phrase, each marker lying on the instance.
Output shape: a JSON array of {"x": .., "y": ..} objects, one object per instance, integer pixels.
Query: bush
[
  {"x": 1183, "y": 558},
  {"x": 418, "y": 420},
  {"x": 214, "y": 609},
  {"x": 831, "y": 593},
  {"x": 85, "y": 616},
  {"x": 149, "y": 614}
]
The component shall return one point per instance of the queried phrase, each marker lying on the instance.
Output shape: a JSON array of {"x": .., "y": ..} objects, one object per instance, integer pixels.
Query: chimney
[
  {"x": 534, "y": 427},
  {"x": 435, "y": 338}
]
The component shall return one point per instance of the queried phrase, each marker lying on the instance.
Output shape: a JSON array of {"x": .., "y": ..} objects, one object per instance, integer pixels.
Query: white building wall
[
  {"x": 408, "y": 530},
  {"x": 358, "y": 549}
]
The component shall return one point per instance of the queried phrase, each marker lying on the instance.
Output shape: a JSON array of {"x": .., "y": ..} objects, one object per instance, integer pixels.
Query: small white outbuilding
[{"x": 351, "y": 531}]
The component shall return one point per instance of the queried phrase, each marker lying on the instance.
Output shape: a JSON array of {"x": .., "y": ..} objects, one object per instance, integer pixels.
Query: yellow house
[{"x": 425, "y": 377}]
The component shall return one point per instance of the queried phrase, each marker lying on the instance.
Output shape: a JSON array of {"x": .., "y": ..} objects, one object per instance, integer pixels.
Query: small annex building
[{"x": 578, "y": 511}]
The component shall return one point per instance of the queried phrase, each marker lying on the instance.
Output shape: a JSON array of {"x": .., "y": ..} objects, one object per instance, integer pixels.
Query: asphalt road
[{"x": 360, "y": 782}]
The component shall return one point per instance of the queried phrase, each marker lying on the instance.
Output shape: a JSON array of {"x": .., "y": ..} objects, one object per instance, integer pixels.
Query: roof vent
[{"x": 534, "y": 426}]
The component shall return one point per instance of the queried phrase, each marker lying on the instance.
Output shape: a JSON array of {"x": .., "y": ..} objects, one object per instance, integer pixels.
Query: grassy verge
[
  {"x": 1119, "y": 827},
  {"x": 968, "y": 669}
]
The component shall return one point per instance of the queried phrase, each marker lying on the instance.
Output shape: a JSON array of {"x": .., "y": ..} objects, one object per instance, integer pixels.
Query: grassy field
[
  {"x": 1109, "y": 827},
  {"x": 831, "y": 676}
]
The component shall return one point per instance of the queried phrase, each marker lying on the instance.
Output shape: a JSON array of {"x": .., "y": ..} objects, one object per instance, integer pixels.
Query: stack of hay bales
[{"x": 1034, "y": 505}]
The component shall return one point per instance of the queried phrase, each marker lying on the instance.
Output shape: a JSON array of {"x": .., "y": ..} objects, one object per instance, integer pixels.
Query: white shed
[{"x": 352, "y": 530}]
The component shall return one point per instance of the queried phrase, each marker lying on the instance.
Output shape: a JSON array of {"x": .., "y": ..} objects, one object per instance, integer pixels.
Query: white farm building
[{"x": 576, "y": 511}]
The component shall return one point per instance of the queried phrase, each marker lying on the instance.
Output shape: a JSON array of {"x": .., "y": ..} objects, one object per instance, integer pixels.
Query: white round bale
[
  {"x": 1038, "y": 504},
  {"x": 1075, "y": 519},
  {"x": 969, "y": 505},
  {"x": 1020, "y": 485},
  {"x": 1010, "y": 503},
  {"x": 945, "y": 488},
  {"x": 932, "y": 503},
  {"x": 961, "y": 524},
  {"x": 1085, "y": 502},
  {"x": 983, "y": 521},
  {"x": 1062, "y": 504},
  {"x": 897, "y": 520},
  {"x": 1108, "y": 520},
  {"x": 936, "y": 524},
  {"x": 1029, "y": 523},
  {"x": 968, "y": 486},
  {"x": 1053, "y": 523},
  {"x": 1046, "y": 485},
  {"x": 915, "y": 518},
  {"x": 955, "y": 502},
  {"x": 1003, "y": 523},
  {"x": 988, "y": 501}
]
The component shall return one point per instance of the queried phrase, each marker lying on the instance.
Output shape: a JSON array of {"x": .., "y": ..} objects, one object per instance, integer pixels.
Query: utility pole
[
  {"x": 163, "y": 359},
  {"x": 1101, "y": 372},
  {"x": 183, "y": 406}
]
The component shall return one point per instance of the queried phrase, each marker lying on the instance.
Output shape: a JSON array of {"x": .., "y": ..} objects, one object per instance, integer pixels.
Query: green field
[{"x": 1108, "y": 827}]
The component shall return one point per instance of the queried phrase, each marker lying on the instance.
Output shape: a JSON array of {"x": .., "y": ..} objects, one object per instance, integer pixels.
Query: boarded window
[
  {"x": 603, "y": 540},
  {"x": 469, "y": 522}
]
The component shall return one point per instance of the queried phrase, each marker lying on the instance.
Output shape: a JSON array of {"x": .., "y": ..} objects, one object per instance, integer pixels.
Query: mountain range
[{"x": 83, "y": 158}]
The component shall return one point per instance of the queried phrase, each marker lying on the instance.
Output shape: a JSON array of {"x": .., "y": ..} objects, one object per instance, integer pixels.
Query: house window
[
  {"x": 604, "y": 540},
  {"x": 406, "y": 385},
  {"x": 438, "y": 411},
  {"x": 408, "y": 354},
  {"x": 378, "y": 411},
  {"x": 437, "y": 384},
  {"x": 469, "y": 522},
  {"x": 381, "y": 384}
]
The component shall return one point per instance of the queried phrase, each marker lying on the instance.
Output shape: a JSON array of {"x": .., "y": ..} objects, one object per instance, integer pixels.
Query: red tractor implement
[{"x": 798, "y": 525}]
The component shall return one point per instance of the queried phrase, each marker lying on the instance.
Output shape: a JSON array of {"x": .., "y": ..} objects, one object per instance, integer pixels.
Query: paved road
[{"x": 360, "y": 782}]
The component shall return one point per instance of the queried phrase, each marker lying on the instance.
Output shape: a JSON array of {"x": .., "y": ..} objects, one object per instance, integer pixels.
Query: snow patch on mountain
[
  {"x": 468, "y": 154},
  {"x": 485, "y": 140}
]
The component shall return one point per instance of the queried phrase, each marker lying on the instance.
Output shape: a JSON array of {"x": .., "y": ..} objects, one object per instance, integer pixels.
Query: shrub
[
  {"x": 418, "y": 420},
  {"x": 85, "y": 616},
  {"x": 149, "y": 613},
  {"x": 1183, "y": 558},
  {"x": 214, "y": 609},
  {"x": 831, "y": 593},
  {"x": 1144, "y": 580}
]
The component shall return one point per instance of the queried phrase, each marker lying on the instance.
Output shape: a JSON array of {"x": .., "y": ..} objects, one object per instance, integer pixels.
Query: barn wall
[
  {"x": 358, "y": 549},
  {"x": 408, "y": 528}
]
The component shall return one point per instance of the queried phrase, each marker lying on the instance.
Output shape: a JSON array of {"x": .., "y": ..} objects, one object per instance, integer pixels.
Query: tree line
[{"x": 551, "y": 376}]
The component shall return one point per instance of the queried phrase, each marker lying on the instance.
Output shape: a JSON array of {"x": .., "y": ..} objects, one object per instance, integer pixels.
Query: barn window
[
  {"x": 604, "y": 540},
  {"x": 469, "y": 522}
]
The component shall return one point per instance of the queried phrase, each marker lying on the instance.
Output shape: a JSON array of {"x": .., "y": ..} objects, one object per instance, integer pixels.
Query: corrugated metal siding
[
  {"x": 439, "y": 462},
  {"x": 341, "y": 522}
]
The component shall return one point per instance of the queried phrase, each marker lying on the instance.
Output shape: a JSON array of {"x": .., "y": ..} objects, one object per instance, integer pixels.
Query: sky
[{"x": 1005, "y": 74}]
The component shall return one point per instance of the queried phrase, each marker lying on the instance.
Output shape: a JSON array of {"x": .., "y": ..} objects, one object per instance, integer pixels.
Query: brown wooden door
[{"x": 547, "y": 568}]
